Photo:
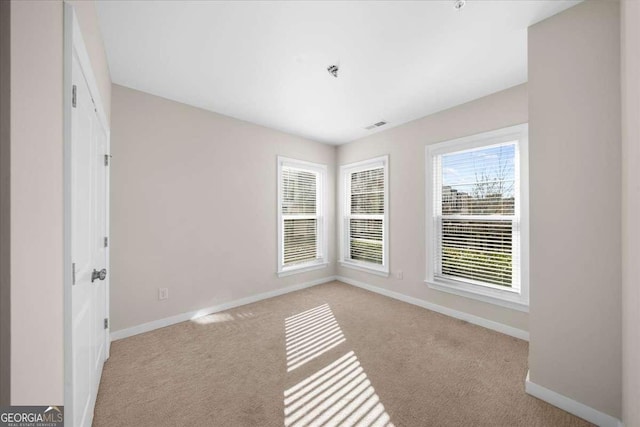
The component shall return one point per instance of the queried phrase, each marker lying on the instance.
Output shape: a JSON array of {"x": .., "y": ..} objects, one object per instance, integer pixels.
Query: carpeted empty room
[
  {"x": 332, "y": 354},
  {"x": 296, "y": 213}
]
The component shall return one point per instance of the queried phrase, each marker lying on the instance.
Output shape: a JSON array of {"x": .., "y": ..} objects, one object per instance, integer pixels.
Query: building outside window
[{"x": 477, "y": 217}]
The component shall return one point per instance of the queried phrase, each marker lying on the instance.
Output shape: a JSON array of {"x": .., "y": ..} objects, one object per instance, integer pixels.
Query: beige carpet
[{"x": 329, "y": 355}]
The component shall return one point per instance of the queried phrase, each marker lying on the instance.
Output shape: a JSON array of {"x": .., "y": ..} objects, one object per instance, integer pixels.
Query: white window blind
[
  {"x": 367, "y": 215},
  {"x": 477, "y": 228},
  {"x": 300, "y": 214},
  {"x": 364, "y": 241}
]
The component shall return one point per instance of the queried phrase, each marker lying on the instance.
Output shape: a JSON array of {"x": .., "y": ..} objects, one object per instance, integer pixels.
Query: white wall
[
  {"x": 574, "y": 157},
  {"x": 5, "y": 207},
  {"x": 406, "y": 147},
  {"x": 36, "y": 203},
  {"x": 631, "y": 211},
  {"x": 36, "y": 200},
  {"x": 194, "y": 207}
]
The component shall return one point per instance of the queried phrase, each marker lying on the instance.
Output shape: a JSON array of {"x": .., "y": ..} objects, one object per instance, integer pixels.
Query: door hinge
[
  {"x": 106, "y": 323},
  {"x": 74, "y": 91},
  {"x": 106, "y": 159},
  {"x": 73, "y": 273},
  {"x": 106, "y": 242}
]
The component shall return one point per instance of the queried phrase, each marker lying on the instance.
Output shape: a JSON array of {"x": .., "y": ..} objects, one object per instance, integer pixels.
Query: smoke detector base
[{"x": 459, "y": 4}]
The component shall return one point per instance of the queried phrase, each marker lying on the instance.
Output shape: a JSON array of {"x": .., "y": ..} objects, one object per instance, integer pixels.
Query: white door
[{"x": 89, "y": 204}]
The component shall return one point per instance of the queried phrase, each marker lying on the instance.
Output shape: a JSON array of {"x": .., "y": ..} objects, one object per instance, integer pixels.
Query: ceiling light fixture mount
[
  {"x": 333, "y": 70},
  {"x": 459, "y": 4}
]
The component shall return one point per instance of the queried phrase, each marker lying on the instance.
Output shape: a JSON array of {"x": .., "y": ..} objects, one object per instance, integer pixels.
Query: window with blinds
[
  {"x": 475, "y": 200},
  {"x": 365, "y": 216},
  {"x": 476, "y": 224},
  {"x": 300, "y": 214}
]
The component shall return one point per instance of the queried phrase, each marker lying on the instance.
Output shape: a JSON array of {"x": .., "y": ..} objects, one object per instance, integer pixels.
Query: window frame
[
  {"x": 344, "y": 197},
  {"x": 322, "y": 259},
  {"x": 511, "y": 298}
]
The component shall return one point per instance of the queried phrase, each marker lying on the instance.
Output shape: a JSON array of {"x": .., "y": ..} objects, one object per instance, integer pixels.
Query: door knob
[{"x": 102, "y": 274}]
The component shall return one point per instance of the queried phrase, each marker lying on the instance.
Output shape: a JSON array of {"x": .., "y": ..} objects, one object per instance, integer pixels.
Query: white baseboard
[
  {"x": 489, "y": 324},
  {"x": 167, "y": 321},
  {"x": 576, "y": 408}
]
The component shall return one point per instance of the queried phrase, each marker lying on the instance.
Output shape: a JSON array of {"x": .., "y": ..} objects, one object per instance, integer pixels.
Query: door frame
[{"x": 74, "y": 44}]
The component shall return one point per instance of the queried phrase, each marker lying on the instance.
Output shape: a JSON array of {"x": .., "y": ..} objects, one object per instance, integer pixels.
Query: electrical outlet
[
  {"x": 163, "y": 293},
  {"x": 399, "y": 274}
]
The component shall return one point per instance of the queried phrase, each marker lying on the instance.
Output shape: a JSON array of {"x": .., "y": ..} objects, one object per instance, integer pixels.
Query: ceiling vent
[{"x": 376, "y": 125}]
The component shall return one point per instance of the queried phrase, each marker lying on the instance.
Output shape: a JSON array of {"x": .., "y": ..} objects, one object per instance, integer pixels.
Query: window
[
  {"x": 301, "y": 217},
  {"x": 477, "y": 217},
  {"x": 364, "y": 225}
]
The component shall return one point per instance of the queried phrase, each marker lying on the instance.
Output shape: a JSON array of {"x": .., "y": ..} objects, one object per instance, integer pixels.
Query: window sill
[
  {"x": 365, "y": 268},
  {"x": 508, "y": 299},
  {"x": 302, "y": 269}
]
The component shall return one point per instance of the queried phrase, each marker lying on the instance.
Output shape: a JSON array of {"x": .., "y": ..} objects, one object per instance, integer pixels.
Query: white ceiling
[{"x": 266, "y": 62}]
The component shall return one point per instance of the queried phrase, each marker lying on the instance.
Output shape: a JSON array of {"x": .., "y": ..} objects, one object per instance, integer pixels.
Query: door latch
[{"x": 102, "y": 274}]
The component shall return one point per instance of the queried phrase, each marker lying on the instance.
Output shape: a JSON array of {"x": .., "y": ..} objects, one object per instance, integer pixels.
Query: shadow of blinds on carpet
[
  {"x": 310, "y": 334},
  {"x": 340, "y": 394}
]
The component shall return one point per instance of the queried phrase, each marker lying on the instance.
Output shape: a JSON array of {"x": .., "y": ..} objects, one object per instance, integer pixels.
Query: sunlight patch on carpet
[
  {"x": 202, "y": 318},
  {"x": 310, "y": 334},
  {"x": 339, "y": 394},
  {"x": 213, "y": 318}
]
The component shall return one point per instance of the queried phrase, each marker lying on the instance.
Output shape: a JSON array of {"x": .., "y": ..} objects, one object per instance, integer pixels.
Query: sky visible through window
[
  {"x": 481, "y": 172},
  {"x": 479, "y": 185}
]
